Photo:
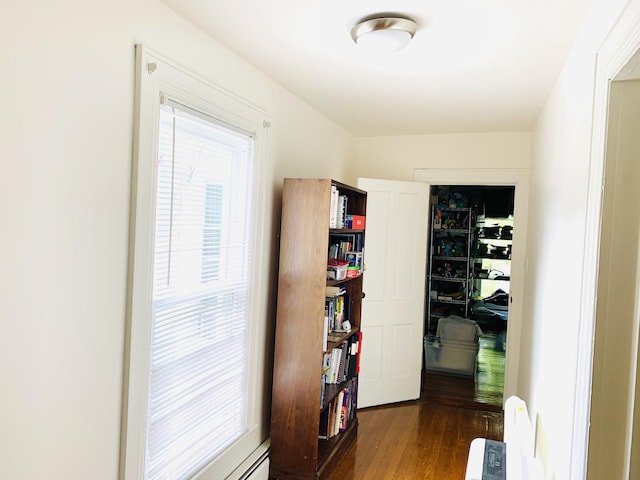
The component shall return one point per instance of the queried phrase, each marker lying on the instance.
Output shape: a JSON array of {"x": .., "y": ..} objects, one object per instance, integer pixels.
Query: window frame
[{"x": 156, "y": 79}]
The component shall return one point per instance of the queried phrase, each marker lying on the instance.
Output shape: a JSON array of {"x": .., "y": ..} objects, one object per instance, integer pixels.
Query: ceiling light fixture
[{"x": 384, "y": 33}]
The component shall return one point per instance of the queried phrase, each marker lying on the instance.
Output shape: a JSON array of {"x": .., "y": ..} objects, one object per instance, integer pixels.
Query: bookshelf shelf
[
  {"x": 346, "y": 230},
  {"x": 340, "y": 282},
  {"x": 330, "y": 451},
  {"x": 337, "y": 338},
  {"x": 330, "y": 393},
  {"x": 315, "y": 374}
]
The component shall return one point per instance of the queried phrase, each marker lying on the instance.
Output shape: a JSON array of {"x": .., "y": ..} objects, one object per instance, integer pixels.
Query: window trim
[{"x": 158, "y": 79}]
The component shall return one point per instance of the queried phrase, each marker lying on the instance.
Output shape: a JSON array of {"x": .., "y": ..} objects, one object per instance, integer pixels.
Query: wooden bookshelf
[{"x": 297, "y": 452}]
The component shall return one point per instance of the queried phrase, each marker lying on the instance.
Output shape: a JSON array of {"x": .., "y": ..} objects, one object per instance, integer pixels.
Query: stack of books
[
  {"x": 336, "y": 417},
  {"x": 338, "y": 209}
]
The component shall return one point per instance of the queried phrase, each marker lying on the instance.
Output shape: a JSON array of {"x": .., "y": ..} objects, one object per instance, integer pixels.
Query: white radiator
[
  {"x": 256, "y": 467},
  {"x": 511, "y": 459},
  {"x": 261, "y": 472}
]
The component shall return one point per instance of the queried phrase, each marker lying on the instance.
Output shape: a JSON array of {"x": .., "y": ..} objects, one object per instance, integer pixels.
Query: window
[{"x": 194, "y": 388}]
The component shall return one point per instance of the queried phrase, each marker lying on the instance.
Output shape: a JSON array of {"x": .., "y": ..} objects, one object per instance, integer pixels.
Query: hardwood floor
[
  {"x": 429, "y": 438},
  {"x": 485, "y": 391}
]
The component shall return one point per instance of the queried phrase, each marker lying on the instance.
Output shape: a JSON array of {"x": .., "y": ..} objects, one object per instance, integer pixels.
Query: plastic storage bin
[
  {"x": 454, "y": 348},
  {"x": 451, "y": 357},
  {"x": 459, "y": 329}
]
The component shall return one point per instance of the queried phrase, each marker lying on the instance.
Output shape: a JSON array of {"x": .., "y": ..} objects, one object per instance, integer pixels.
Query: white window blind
[{"x": 197, "y": 403}]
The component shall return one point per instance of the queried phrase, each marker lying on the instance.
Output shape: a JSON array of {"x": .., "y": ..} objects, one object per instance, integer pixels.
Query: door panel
[
  {"x": 399, "y": 364},
  {"x": 371, "y": 365},
  {"x": 393, "y": 308}
]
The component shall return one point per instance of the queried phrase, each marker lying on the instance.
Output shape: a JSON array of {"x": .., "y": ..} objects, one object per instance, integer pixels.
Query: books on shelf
[
  {"x": 325, "y": 333},
  {"x": 341, "y": 243},
  {"x": 354, "y": 259},
  {"x": 338, "y": 212},
  {"x": 342, "y": 210},
  {"x": 333, "y": 366},
  {"x": 333, "y": 207},
  {"x": 338, "y": 249},
  {"x": 340, "y": 411},
  {"x": 347, "y": 250},
  {"x": 339, "y": 419},
  {"x": 337, "y": 209},
  {"x": 356, "y": 222},
  {"x": 334, "y": 290},
  {"x": 337, "y": 310},
  {"x": 340, "y": 367},
  {"x": 341, "y": 363}
]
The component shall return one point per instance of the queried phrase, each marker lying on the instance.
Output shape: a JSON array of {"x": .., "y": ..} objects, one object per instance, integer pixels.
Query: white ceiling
[{"x": 473, "y": 65}]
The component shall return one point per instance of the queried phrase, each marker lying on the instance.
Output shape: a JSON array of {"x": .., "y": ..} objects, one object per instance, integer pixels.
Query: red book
[{"x": 359, "y": 352}]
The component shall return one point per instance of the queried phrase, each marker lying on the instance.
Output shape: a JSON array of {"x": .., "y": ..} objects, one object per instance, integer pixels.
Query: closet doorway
[
  {"x": 493, "y": 284},
  {"x": 467, "y": 292}
]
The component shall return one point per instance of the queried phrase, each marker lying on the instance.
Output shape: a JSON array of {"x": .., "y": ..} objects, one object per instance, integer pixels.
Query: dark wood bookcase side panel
[
  {"x": 297, "y": 452},
  {"x": 299, "y": 324}
]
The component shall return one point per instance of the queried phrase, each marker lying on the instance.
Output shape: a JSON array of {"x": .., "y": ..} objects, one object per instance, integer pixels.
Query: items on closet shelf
[{"x": 493, "y": 307}]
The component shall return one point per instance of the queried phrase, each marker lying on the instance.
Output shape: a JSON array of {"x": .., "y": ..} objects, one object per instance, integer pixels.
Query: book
[
  {"x": 325, "y": 332},
  {"x": 333, "y": 370},
  {"x": 342, "y": 211},
  {"x": 354, "y": 259},
  {"x": 323, "y": 432},
  {"x": 341, "y": 243},
  {"x": 353, "y": 356},
  {"x": 359, "y": 334},
  {"x": 340, "y": 375},
  {"x": 337, "y": 309},
  {"x": 339, "y": 316},
  {"x": 334, "y": 290},
  {"x": 333, "y": 207},
  {"x": 323, "y": 384},
  {"x": 337, "y": 413},
  {"x": 344, "y": 410}
]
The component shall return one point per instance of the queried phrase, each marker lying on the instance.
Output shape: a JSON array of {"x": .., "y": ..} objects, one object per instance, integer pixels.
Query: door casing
[{"x": 518, "y": 178}]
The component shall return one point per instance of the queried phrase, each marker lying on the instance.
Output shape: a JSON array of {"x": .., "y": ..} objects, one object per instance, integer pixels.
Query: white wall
[
  {"x": 66, "y": 103},
  {"x": 557, "y": 294},
  {"x": 395, "y": 158},
  {"x": 556, "y": 242},
  {"x": 559, "y": 162},
  {"x": 556, "y": 248}
]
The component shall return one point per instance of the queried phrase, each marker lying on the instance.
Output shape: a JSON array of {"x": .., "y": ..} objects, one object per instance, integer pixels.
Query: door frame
[
  {"x": 618, "y": 58},
  {"x": 518, "y": 178}
]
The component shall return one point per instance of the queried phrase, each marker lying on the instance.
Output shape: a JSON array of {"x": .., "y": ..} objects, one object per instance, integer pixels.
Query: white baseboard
[{"x": 256, "y": 466}]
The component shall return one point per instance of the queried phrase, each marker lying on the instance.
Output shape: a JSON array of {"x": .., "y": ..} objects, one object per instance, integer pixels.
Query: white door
[{"x": 394, "y": 285}]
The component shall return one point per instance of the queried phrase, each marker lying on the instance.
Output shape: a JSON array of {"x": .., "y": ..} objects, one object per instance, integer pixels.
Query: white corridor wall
[{"x": 66, "y": 129}]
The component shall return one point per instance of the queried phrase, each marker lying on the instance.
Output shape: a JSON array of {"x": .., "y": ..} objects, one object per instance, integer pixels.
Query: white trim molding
[
  {"x": 616, "y": 60},
  {"x": 156, "y": 78},
  {"x": 519, "y": 178}
]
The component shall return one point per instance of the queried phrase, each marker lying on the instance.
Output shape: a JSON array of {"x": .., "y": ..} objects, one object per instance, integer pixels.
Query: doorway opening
[
  {"x": 467, "y": 297},
  {"x": 615, "y": 411}
]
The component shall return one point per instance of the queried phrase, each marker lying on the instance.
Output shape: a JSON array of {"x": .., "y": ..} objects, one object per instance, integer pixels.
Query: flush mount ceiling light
[{"x": 384, "y": 33}]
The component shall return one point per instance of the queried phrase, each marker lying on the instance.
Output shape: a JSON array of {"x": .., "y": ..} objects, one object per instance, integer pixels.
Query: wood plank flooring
[
  {"x": 429, "y": 438},
  {"x": 485, "y": 391}
]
